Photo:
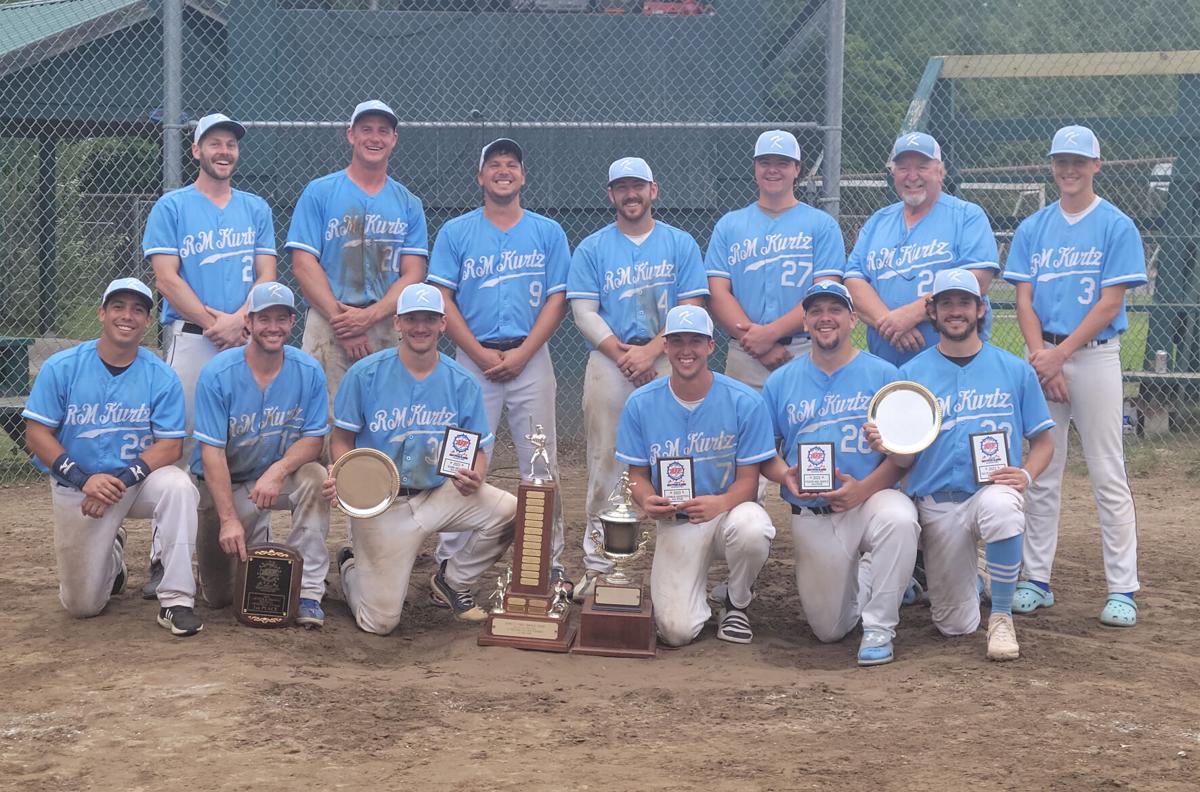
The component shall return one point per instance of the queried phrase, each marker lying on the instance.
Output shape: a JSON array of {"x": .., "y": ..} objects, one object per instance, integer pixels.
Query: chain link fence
[{"x": 97, "y": 98}]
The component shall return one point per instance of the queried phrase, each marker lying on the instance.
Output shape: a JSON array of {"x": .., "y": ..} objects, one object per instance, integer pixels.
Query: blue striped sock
[{"x": 1003, "y": 566}]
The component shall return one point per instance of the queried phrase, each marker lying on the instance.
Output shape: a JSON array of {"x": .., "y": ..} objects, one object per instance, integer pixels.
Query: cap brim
[
  {"x": 812, "y": 298},
  {"x": 290, "y": 308},
  {"x": 237, "y": 129},
  {"x": 392, "y": 117},
  {"x": 104, "y": 301}
]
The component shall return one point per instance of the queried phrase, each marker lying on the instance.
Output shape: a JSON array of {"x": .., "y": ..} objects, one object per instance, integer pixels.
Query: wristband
[
  {"x": 134, "y": 474},
  {"x": 1028, "y": 477},
  {"x": 67, "y": 471}
]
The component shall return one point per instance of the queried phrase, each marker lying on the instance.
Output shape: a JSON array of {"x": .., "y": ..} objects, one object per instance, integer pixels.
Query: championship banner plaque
[
  {"x": 816, "y": 467},
  {"x": 267, "y": 586},
  {"x": 676, "y": 479},
  {"x": 989, "y": 453},
  {"x": 458, "y": 451}
]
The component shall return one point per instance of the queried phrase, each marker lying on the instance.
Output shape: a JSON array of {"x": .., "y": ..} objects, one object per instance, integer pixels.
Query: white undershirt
[
  {"x": 640, "y": 238},
  {"x": 1074, "y": 217},
  {"x": 690, "y": 406}
]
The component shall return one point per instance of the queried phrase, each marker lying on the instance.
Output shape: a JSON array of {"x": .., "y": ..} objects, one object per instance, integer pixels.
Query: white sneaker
[
  {"x": 1002, "y": 638},
  {"x": 585, "y": 585}
]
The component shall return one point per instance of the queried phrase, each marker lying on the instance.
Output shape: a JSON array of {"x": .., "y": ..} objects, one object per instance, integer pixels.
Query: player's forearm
[
  {"x": 313, "y": 283},
  {"x": 984, "y": 275},
  {"x": 640, "y": 486},
  {"x": 340, "y": 442},
  {"x": 456, "y": 326},
  {"x": 548, "y": 320},
  {"x": 177, "y": 292},
  {"x": 775, "y": 469},
  {"x": 301, "y": 452},
  {"x": 481, "y": 464},
  {"x": 162, "y": 452},
  {"x": 266, "y": 268},
  {"x": 867, "y": 304},
  {"x": 592, "y": 326},
  {"x": 412, "y": 270},
  {"x": 789, "y": 323},
  {"x": 1041, "y": 449},
  {"x": 725, "y": 307},
  {"x": 42, "y": 443},
  {"x": 1095, "y": 320},
  {"x": 883, "y": 477},
  {"x": 1027, "y": 318},
  {"x": 218, "y": 481}
]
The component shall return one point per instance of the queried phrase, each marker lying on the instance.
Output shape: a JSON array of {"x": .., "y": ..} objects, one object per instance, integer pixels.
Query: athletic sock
[
  {"x": 1043, "y": 586},
  {"x": 1003, "y": 565}
]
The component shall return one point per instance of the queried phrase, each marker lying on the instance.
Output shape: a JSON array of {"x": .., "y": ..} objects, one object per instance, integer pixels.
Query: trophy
[
  {"x": 530, "y": 611},
  {"x": 267, "y": 586},
  {"x": 617, "y": 620}
]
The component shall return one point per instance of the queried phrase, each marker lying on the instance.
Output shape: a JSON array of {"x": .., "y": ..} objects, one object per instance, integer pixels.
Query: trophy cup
[
  {"x": 529, "y": 611},
  {"x": 617, "y": 620}
]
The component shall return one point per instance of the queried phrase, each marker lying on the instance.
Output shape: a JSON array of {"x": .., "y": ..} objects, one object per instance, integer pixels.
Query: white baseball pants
[
  {"x": 301, "y": 496},
  {"x": 743, "y": 368},
  {"x": 320, "y": 341},
  {"x": 375, "y": 580}
]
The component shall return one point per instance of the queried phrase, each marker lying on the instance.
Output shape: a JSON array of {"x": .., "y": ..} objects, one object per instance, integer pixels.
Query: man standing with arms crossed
[
  {"x": 503, "y": 273},
  {"x": 762, "y": 259},
  {"x": 105, "y": 419},
  {"x": 261, "y": 417},
  {"x": 208, "y": 244},
  {"x": 357, "y": 238},
  {"x": 624, "y": 279},
  {"x": 1072, "y": 262}
]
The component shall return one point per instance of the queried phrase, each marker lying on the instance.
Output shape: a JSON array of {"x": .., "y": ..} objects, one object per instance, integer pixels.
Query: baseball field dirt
[{"x": 115, "y": 703}]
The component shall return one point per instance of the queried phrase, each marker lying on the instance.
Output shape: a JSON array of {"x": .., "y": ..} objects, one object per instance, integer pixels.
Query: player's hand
[
  {"x": 104, "y": 488},
  {"x": 912, "y": 341},
  {"x": 1055, "y": 389},
  {"x": 233, "y": 539},
  {"x": 776, "y": 356},
  {"x": 512, "y": 363},
  {"x": 898, "y": 322},
  {"x": 92, "y": 507},
  {"x": 1011, "y": 476},
  {"x": 702, "y": 508},
  {"x": 874, "y": 438},
  {"x": 227, "y": 330},
  {"x": 1047, "y": 363},
  {"x": 487, "y": 359},
  {"x": 329, "y": 487},
  {"x": 350, "y": 321},
  {"x": 267, "y": 489},
  {"x": 356, "y": 347},
  {"x": 637, "y": 363},
  {"x": 756, "y": 339},
  {"x": 659, "y": 508},
  {"x": 467, "y": 481},
  {"x": 791, "y": 480},
  {"x": 851, "y": 494}
]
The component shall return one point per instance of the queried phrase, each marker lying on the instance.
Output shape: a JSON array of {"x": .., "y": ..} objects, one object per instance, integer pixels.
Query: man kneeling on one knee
[{"x": 723, "y": 427}]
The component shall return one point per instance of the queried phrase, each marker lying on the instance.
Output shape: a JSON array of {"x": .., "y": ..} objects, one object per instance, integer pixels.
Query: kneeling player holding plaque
[
  {"x": 400, "y": 401},
  {"x": 724, "y": 427}
]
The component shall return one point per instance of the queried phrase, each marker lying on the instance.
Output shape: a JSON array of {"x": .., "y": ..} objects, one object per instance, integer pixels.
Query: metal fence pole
[
  {"x": 831, "y": 166},
  {"x": 172, "y": 20}
]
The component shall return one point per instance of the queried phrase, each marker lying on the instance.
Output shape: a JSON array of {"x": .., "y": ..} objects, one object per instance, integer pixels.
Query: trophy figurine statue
[
  {"x": 617, "y": 620},
  {"x": 529, "y": 613}
]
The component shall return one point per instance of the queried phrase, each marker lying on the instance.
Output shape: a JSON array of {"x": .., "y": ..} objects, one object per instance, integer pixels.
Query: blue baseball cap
[
  {"x": 217, "y": 121},
  {"x": 830, "y": 288},
  {"x": 128, "y": 285},
  {"x": 264, "y": 295},
  {"x": 778, "y": 142},
  {"x": 420, "y": 297},
  {"x": 630, "y": 168},
  {"x": 506, "y": 145},
  {"x": 1076, "y": 140},
  {"x": 919, "y": 142},
  {"x": 688, "y": 319},
  {"x": 374, "y": 106},
  {"x": 956, "y": 279}
]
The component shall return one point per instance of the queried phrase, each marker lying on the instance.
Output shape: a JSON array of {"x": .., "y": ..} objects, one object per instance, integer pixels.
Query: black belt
[
  {"x": 639, "y": 341},
  {"x": 816, "y": 510},
  {"x": 503, "y": 344},
  {"x": 234, "y": 482},
  {"x": 787, "y": 340},
  {"x": 1056, "y": 339},
  {"x": 193, "y": 328},
  {"x": 409, "y": 492}
]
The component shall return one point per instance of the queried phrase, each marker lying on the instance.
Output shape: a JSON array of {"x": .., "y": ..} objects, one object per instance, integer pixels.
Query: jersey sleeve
[
  {"x": 1035, "y": 413},
  {"x": 307, "y": 219},
  {"x": 211, "y": 417},
  {"x": 316, "y": 405},
  {"x": 1016, "y": 266},
  {"x": 1125, "y": 258},
  {"x": 856, "y": 263},
  {"x": 167, "y": 418},
  {"x": 160, "y": 236},
  {"x": 47, "y": 402},
  {"x": 829, "y": 253},
  {"x": 444, "y": 267},
  {"x": 756, "y": 439},
  {"x": 583, "y": 279},
  {"x": 416, "y": 241},
  {"x": 716, "y": 260},
  {"x": 347, "y": 402},
  {"x": 631, "y": 448},
  {"x": 264, "y": 225},
  {"x": 977, "y": 243},
  {"x": 471, "y": 413},
  {"x": 690, "y": 276},
  {"x": 558, "y": 260}
]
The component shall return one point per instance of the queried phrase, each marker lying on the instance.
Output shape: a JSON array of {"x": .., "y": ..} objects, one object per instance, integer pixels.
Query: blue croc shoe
[
  {"x": 875, "y": 649},
  {"x": 1119, "y": 611},
  {"x": 1030, "y": 596},
  {"x": 309, "y": 614}
]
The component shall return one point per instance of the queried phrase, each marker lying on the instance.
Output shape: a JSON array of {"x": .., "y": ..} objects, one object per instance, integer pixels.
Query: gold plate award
[
  {"x": 908, "y": 416},
  {"x": 816, "y": 466},
  {"x": 989, "y": 453},
  {"x": 676, "y": 479},
  {"x": 458, "y": 451},
  {"x": 367, "y": 482}
]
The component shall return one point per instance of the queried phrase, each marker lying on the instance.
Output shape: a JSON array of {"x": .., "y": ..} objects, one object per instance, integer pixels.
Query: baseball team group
[{"x": 235, "y": 423}]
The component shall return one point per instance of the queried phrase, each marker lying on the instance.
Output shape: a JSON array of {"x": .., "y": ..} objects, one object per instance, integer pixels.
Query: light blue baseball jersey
[
  {"x": 255, "y": 426},
  {"x": 636, "y": 285},
  {"x": 900, "y": 262},
  {"x": 358, "y": 238},
  {"x": 500, "y": 279},
  {"x": 216, "y": 247},
  {"x": 995, "y": 392},
  {"x": 809, "y": 406},
  {"x": 105, "y": 422},
  {"x": 730, "y": 427},
  {"x": 1068, "y": 264},
  {"x": 391, "y": 411},
  {"x": 771, "y": 261}
]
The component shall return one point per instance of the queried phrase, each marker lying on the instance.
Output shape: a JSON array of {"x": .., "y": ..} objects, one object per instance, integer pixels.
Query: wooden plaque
[
  {"x": 267, "y": 586},
  {"x": 616, "y": 633}
]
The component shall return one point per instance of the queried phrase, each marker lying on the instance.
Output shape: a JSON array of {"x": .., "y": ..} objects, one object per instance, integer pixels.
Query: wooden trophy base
[
  {"x": 520, "y": 631},
  {"x": 625, "y": 632}
]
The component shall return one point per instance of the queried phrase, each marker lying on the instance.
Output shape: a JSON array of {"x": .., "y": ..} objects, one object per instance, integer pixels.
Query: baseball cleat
[
  {"x": 734, "y": 624},
  {"x": 310, "y": 615},
  {"x": 118, "y": 586},
  {"x": 875, "y": 648},
  {"x": 461, "y": 603},
  {"x": 150, "y": 590},
  {"x": 180, "y": 620},
  {"x": 1030, "y": 596},
  {"x": 1002, "y": 638}
]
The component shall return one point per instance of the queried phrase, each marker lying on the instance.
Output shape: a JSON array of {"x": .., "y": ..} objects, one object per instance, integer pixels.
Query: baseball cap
[
  {"x": 501, "y": 145},
  {"x": 688, "y": 319},
  {"x": 832, "y": 288},
  {"x": 1076, "y": 140},
  {"x": 630, "y": 168},
  {"x": 420, "y": 297},
  {"x": 919, "y": 142},
  {"x": 777, "y": 141},
  {"x": 374, "y": 106},
  {"x": 128, "y": 285},
  {"x": 264, "y": 295},
  {"x": 220, "y": 121},
  {"x": 956, "y": 279}
]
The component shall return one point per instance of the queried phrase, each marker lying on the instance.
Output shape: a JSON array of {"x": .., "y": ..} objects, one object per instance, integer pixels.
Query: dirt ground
[{"x": 115, "y": 703}]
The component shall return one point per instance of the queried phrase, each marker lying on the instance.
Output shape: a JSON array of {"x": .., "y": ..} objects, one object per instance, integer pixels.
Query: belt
[
  {"x": 950, "y": 496},
  {"x": 234, "y": 482},
  {"x": 787, "y": 340},
  {"x": 1056, "y": 339},
  {"x": 639, "y": 341},
  {"x": 193, "y": 328},
  {"x": 503, "y": 344},
  {"x": 361, "y": 305},
  {"x": 409, "y": 492},
  {"x": 816, "y": 510}
]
